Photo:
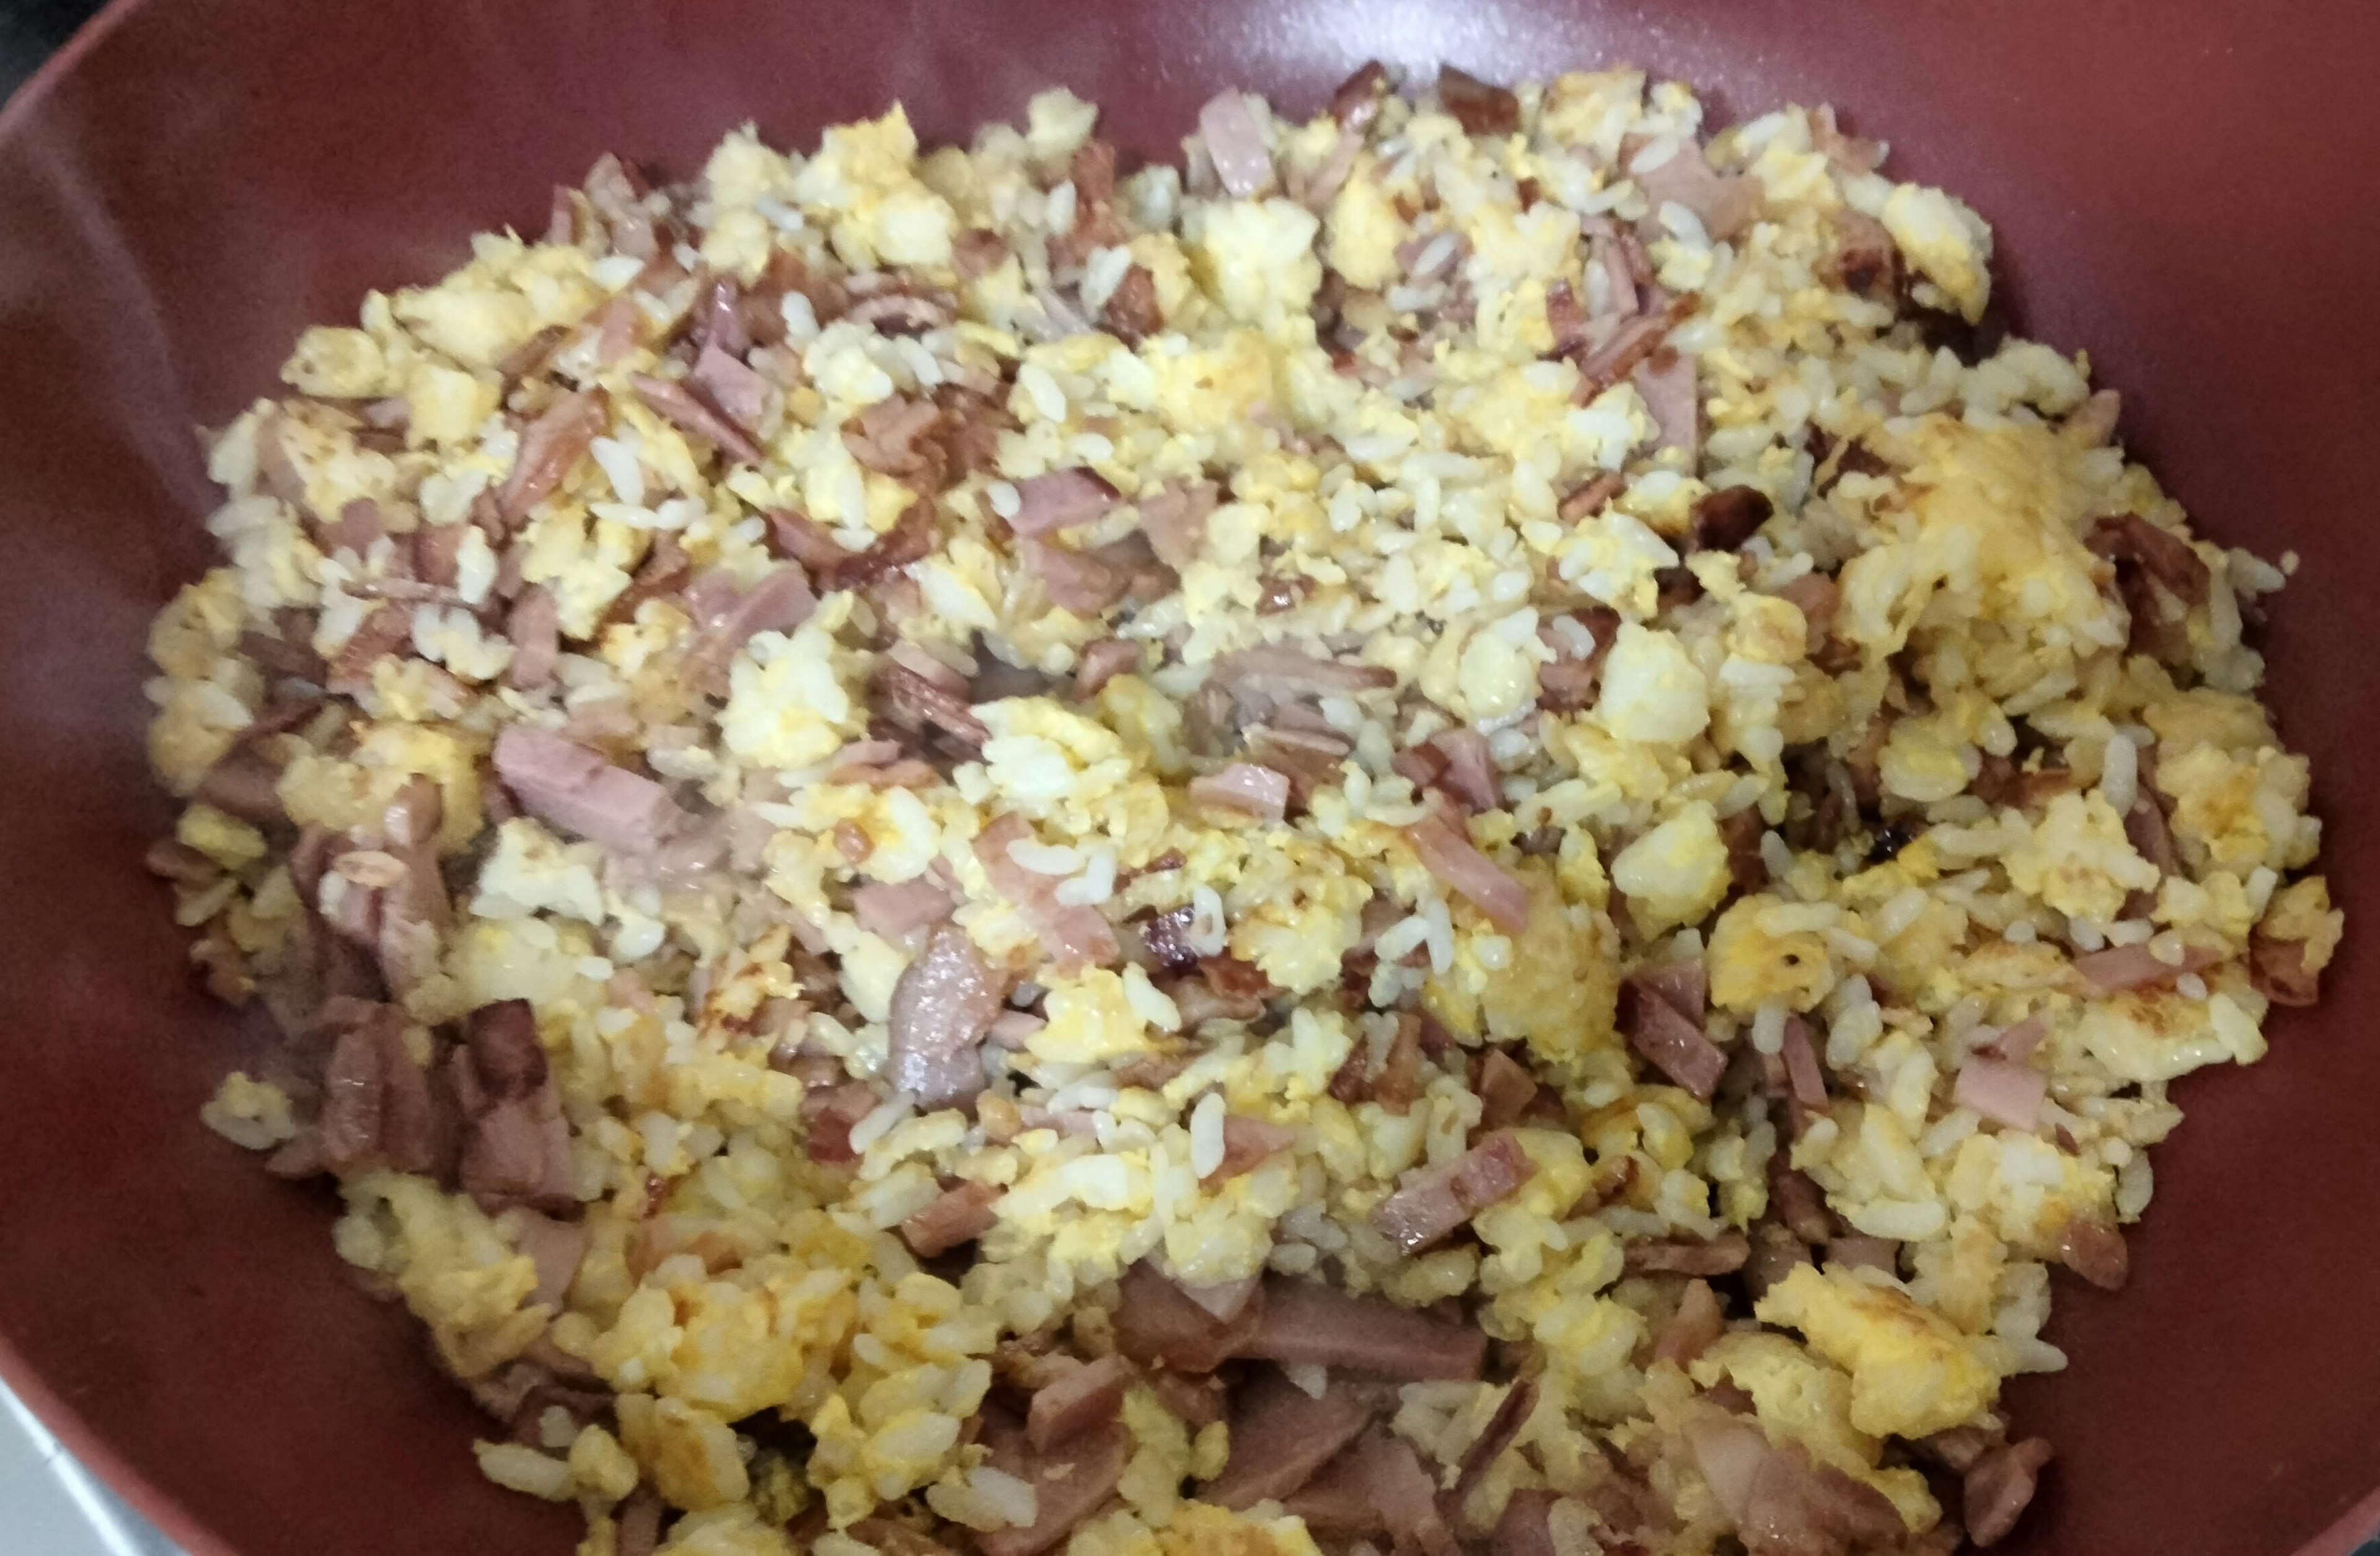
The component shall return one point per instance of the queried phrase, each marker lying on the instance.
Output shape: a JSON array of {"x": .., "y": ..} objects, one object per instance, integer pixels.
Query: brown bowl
[{"x": 2178, "y": 187}]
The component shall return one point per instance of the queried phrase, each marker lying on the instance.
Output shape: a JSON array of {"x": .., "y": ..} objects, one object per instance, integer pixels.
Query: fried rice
[{"x": 1474, "y": 825}]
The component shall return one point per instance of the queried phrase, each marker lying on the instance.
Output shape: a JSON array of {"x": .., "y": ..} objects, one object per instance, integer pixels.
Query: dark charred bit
[
  {"x": 1724, "y": 520},
  {"x": 1479, "y": 108},
  {"x": 1678, "y": 585},
  {"x": 1889, "y": 841}
]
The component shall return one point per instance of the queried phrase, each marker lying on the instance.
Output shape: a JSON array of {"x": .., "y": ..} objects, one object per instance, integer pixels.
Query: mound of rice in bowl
[{"x": 1466, "y": 829}]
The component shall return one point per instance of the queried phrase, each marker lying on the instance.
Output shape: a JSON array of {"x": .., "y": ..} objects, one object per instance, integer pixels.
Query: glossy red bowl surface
[{"x": 2182, "y": 187}]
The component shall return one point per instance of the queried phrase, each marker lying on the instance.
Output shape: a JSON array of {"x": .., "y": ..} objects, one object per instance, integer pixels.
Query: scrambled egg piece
[{"x": 1911, "y": 1372}]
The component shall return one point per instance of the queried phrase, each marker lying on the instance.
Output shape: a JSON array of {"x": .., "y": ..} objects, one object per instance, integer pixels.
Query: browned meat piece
[
  {"x": 1589, "y": 500},
  {"x": 1357, "y": 101},
  {"x": 1132, "y": 313},
  {"x": 1246, "y": 1142},
  {"x": 1667, "y": 1038},
  {"x": 1692, "y": 1327},
  {"x": 1722, "y": 1254},
  {"x": 911, "y": 537},
  {"x": 2161, "y": 553},
  {"x": 1087, "y": 1396},
  {"x": 1479, "y": 108},
  {"x": 516, "y": 1144},
  {"x": 549, "y": 447},
  {"x": 1076, "y": 581},
  {"x": 1376, "y": 1486},
  {"x": 2096, "y": 1251},
  {"x": 1309, "y": 1323},
  {"x": 1157, "y": 1324},
  {"x": 1061, "y": 500},
  {"x": 679, "y": 406},
  {"x": 1103, "y": 662},
  {"x": 1506, "y": 1090},
  {"x": 1866, "y": 260},
  {"x": 1445, "y": 848},
  {"x": 1441, "y": 1199},
  {"x": 1797, "y": 1201},
  {"x": 534, "y": 628},
  {"x": 2136, "y": 967},
  {"x": 661, "y": 575},
  {"x": 895, "y": 910},
  {"x": 1724, "y": 520},
  {"x": 243, "y": 784},
  {"x": 893, "y": 437},
  {"x": 977, "y": 252},
  {"x": 387, "y": 630},
  {"x": 1072, "y": 1480},
  {"x": 1747, "y": 871},
  {"x": 2000, "y": 1486},
  {"x": 1195, "y": 1401},
  {"x": 1725, "y": 204},
  {"x": 960, "y": 1215},
  {"x": 830, "y": 1114},
  {"x": 2279, "y": 969},
  {"x": 915, "y": 703},
  {"x": 944, "y": 1003},
  {"x": 571, "y": 787},
  {"x": 556, "y": 1248},
  {"x": 1280, "y": 1435},
  {"x": 1074, "y": 935},
  {"x": 1525, "y": 1528},
  {"x": 1512, "y": 1414}
]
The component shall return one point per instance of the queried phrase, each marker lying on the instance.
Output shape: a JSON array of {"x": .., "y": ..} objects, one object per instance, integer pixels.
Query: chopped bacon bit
[
  {"x": 1724, "y": 520},
  {"x": 960, "y": 1215},
  {"x": 1441, "y": 1199},
  {"x": 2096, "y": 1251},
  {"x": 1511, "y": 1413},
  {"x": 1479, "y": 108},
  {"x": 911, "y": 537},
  {"x": 914, "y": 702},
  {"x": 664, "y": 571},
  {"x": 1627, "y": 348},
  {"x": 1157, "y": 1324}
]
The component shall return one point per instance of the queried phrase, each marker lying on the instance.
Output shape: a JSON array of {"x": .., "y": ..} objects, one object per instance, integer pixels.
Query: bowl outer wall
[{"x": 2181, "y": 187}]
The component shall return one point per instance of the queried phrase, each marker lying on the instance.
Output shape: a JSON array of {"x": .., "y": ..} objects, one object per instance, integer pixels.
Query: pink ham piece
[
  {"x": 2096, "y": 1251},
  {"x": 1671, "y": 1043},
  {"x": 727, "y": 385},
  {"x": 1073, "y": 935},
  {"x": 535, "y": 627},
  {"x": 1802, "y": 1072},
  {"x": 1666, "y": 380},
  {"x": 1076, "y": 582},
  {"x": 677, "y": 405},
  {"x": 1281, "y": 672},
  {"x": 1999, "y": 1487},
  {"x": 1378, "y": 1486},
  {"x": 1470, "y": 774},
  {"x": 1157, "y": 1324},
  {"x": 1235, "y": 144},
  {"x": 1088, "y": 1396},
  {"x": 1697, "y": 1321},
  {"x": 2004, "y": 1092},
  {"x": 554, "y": 1247},
  {"x": 727, "y": 619},
  {"x": 1446, "y": 850},
  {"x": 1722, "y": 1254},
  {"x": 1309, "y": 1323},
  {"x": 2016, "y": 1044},
  {"x": 894, "y": 909},
  {"x": 515, "y": 1144},
  {"x": 1248, "y": 1141},
  {"x": 1780, "y": 1502},
  {"x": 1511, "y": 1413},
  {"x": 1174, "y": 519},
  {"x": 550, "y": 446},
  {"x": 942, "y": 1006},
  {"x": 1724, "y": 204},
  {"x": 565, "y": 783},
  {"x": 1245, "y": 787},
  {"x": 1441, "y": 1199},
  {"x": 1103, "y": 662},
  {"x": 960, "y": 1215},
  {"x": 1225, "y": 1299},
  {"x": 2136, "y": 967},
  {"x": 1061, "y": 500},
  {"x": 1069, "y": 1482},
  {"x": 1280, "y": 1435}
]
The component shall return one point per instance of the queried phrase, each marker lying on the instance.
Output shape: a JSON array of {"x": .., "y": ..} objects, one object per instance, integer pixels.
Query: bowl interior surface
[{"x": 198, "y": 180}]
